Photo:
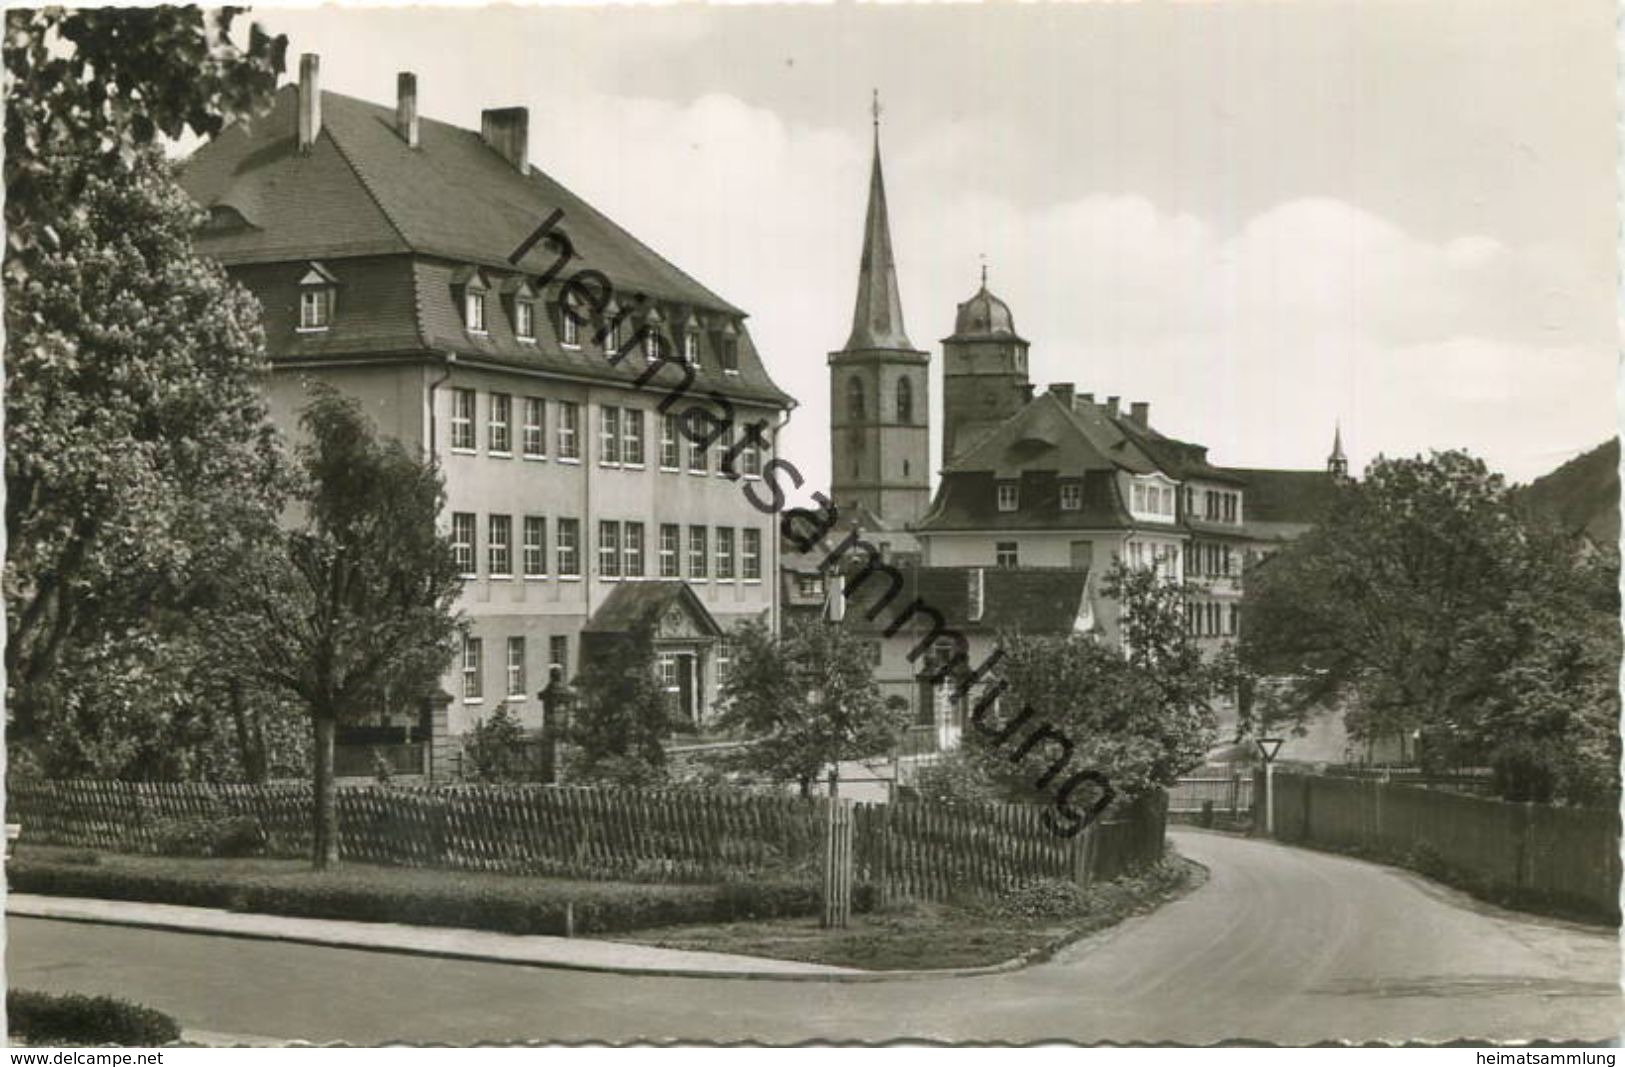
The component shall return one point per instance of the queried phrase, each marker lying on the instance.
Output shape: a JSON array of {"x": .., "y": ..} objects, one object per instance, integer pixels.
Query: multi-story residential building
[{"x": 425, "y": 269}]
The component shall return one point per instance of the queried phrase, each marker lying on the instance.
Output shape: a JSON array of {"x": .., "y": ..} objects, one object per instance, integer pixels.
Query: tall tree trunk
[
  {"x": 250, "y": 736},
  {"x": 325, "y": 840}
]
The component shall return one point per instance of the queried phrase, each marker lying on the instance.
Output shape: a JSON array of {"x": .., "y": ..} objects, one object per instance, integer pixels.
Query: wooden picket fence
[{"x": 904, "y": 850}]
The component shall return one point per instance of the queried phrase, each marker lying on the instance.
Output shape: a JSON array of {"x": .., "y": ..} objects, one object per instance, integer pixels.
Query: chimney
[
  {"x": 507, "y": 130},
  {"x": 1111, "y": 405},
  {"x": 310, "y": 100},
  {"x": 406, "y": 107},
  {"x": 1027, "y": 391},
  {"x": 1062, "y": 391},
  {"x": 1140, "y": 412}
]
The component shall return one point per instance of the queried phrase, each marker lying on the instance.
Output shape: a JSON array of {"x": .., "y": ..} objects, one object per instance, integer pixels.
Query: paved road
[{"x": 1281, "y": 945}]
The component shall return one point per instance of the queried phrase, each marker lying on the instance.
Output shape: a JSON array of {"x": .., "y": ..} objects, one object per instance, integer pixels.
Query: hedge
[
  {"x": 74, "y": 1019},
  {"x": 503, "y": 903}
]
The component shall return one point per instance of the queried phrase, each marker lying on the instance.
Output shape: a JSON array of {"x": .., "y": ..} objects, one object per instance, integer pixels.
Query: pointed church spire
[
  {"x": 1337, "y": 464},
  {"x": 877, "y": 317}
]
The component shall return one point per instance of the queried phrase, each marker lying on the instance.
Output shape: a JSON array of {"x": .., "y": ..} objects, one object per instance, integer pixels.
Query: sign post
[{"x": 1268, "y": 747}]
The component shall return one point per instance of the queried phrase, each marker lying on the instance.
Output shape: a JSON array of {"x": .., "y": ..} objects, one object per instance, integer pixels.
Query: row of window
[
  {"x": 1212, "y": 619},
  {"x": 318, "y": 298},
  {"x": 1145, "y": 499},
  {"x": 1149, "y": 499},
  {"x": 514, "y": 674},
  {"x": 621, "y": 437},
  {"x": 1218, "y": 505},
  {"x": 621, "y": 549},
  {"x": 1009, "y": 496},
  {"x": 1212, "y": 559}
]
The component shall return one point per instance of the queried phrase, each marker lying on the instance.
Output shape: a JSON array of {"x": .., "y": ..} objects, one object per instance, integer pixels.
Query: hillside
[{"x": 1582, "y": 494}]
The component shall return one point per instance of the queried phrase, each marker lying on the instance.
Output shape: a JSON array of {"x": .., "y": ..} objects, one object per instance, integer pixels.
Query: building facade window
[
  {"x": 315, "y": 307},
  {"x": 1071, "y": 496},
  {"x": 697, "y": 558},
  {"x": 569, "y": 328},
  {"x": 609, "y": 436},
  {"x": 730, "y": 355},
  {"x": 474, "y": 310},
  {"x": 723, "y": 659},
  {"x": 609, "y": 548},
  {"x": 750, "y": 554},
  {"x": 724, "y": 445},
  {"x": 671, "y": 537},
  {"x": 1009, "y": 498},
  {"x": 568, "y": 549},
  {"x": 1005, "y": 554},
  {"x": 569, "y": 414},
  {"x": 524, "y": 320},
  {"x": 499, "y": 425},
  {"x": 671, "y": 457},
  {"x": 632, "y": 556},
  {"x": 632, "y": 437},
  {"x": 499, "y": 548},
  {"x": 750, "y": 457},
  {"x": 854, "y": 399},
  {"x": 516, "y": 668},
  {"x": 905, "y": 401},
  {"x": 691, "y": 349},
  {"x": 535, "y": 443},
  {"x": 535, "y": 546},
  {"x": 698, "y": 459},
  {"x": 473, "y": 689},
  {"x": 462, "y": 542},
  {"x": 462, "y": 420},
  {"x": 725, "y": 554},
  {"x": 612, "y": 336},
  {"x": 558, "y": 652}
]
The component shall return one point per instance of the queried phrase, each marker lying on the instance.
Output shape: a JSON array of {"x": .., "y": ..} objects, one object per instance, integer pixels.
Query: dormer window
[
  {"x": 1008, "y": 497},
  {"x": 524, "y": 320},
  {"x": 691, "y": 348},
  {"x": 569, "y": 328},
  {"x": 730, "y": 349},
  {"x": 316, "y": 298},
  {"x": 470, "y": 285},
  {"x": 1071, "y": 496}
]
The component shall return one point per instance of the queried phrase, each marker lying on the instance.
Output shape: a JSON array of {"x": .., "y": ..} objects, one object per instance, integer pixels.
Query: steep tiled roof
[
  {"x": 1283, "y": 502},
  {"x": 449, "y": 204},
  {"x": 1029, "y": 600},
  {"x": 968, "y": 500},
  {"x": 362, "y": 189}
]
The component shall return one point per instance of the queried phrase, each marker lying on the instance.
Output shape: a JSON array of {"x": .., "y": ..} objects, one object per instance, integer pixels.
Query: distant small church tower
[
  {"x": 880, "y": 431},
  {"x": 1337, "y": 464},
  {"x": 984, "y": 372}
]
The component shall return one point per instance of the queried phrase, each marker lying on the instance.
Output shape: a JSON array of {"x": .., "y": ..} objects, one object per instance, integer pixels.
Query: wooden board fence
[{"x": 904, "y": 850}]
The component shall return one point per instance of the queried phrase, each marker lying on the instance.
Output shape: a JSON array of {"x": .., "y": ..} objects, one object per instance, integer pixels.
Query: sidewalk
[{"x": 582, "y": 954}]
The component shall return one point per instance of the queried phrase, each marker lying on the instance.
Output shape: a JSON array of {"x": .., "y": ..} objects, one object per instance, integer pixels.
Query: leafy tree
[
  {"x": 356, "y": 612},
  {"x": 621, "y": 716},
  {"x": 1426, "y": 601},
  {"x": 806, "y": 700},
  {"x": 89, "y": 91},
  {"x": 494, "y": 747},
  {"x": 1141, "y": 715},
  {"x": 137, "y": 448}
]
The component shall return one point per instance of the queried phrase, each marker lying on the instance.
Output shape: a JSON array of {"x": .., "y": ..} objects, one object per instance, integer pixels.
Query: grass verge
[
  {"x": 504, "y": 903},
  {"x": 1034, "y": 920}
]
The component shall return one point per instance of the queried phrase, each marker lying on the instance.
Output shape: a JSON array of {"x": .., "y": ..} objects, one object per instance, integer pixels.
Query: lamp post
[{"x": 558, "y": 704}]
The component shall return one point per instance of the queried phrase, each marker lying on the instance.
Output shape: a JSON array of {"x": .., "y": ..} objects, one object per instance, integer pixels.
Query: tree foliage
[
  {"x": 621, "y": 717},
  {"x": 1426, "y": 601},
  {"x": 1140, "y": 714},
  {"x": 138, "y": 454},
  {"x": 806, "y": 700},
  {"x": 356, "y": 613}
]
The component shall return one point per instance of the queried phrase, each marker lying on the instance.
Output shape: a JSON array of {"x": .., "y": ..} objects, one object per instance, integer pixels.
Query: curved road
[{"x": 1281, "y": 945}]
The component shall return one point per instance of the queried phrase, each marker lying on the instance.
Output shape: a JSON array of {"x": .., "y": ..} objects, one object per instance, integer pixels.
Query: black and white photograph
[{"x": 743, "y": 523}]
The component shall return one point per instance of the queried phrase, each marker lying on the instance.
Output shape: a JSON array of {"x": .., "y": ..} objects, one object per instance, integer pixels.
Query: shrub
[
  {"x": 505, "y": 903},
  {"x": 1044, "y": 898},
  {"x": 201, "y": 835},
  {"x": 73, "y": 1019}
]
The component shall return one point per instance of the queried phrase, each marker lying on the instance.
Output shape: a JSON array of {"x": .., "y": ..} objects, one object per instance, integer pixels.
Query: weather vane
[{"x": 983, "y": 257}]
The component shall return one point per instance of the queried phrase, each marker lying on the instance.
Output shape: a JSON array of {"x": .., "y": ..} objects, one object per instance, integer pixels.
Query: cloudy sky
[{"x": 1263, "y": 219}]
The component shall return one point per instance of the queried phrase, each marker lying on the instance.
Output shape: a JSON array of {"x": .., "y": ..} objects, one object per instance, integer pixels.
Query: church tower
[
  {"x": 1337, "y": 464},
  {"x": 879, "y": 405},
  {"x": 984, "y": 372}
]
